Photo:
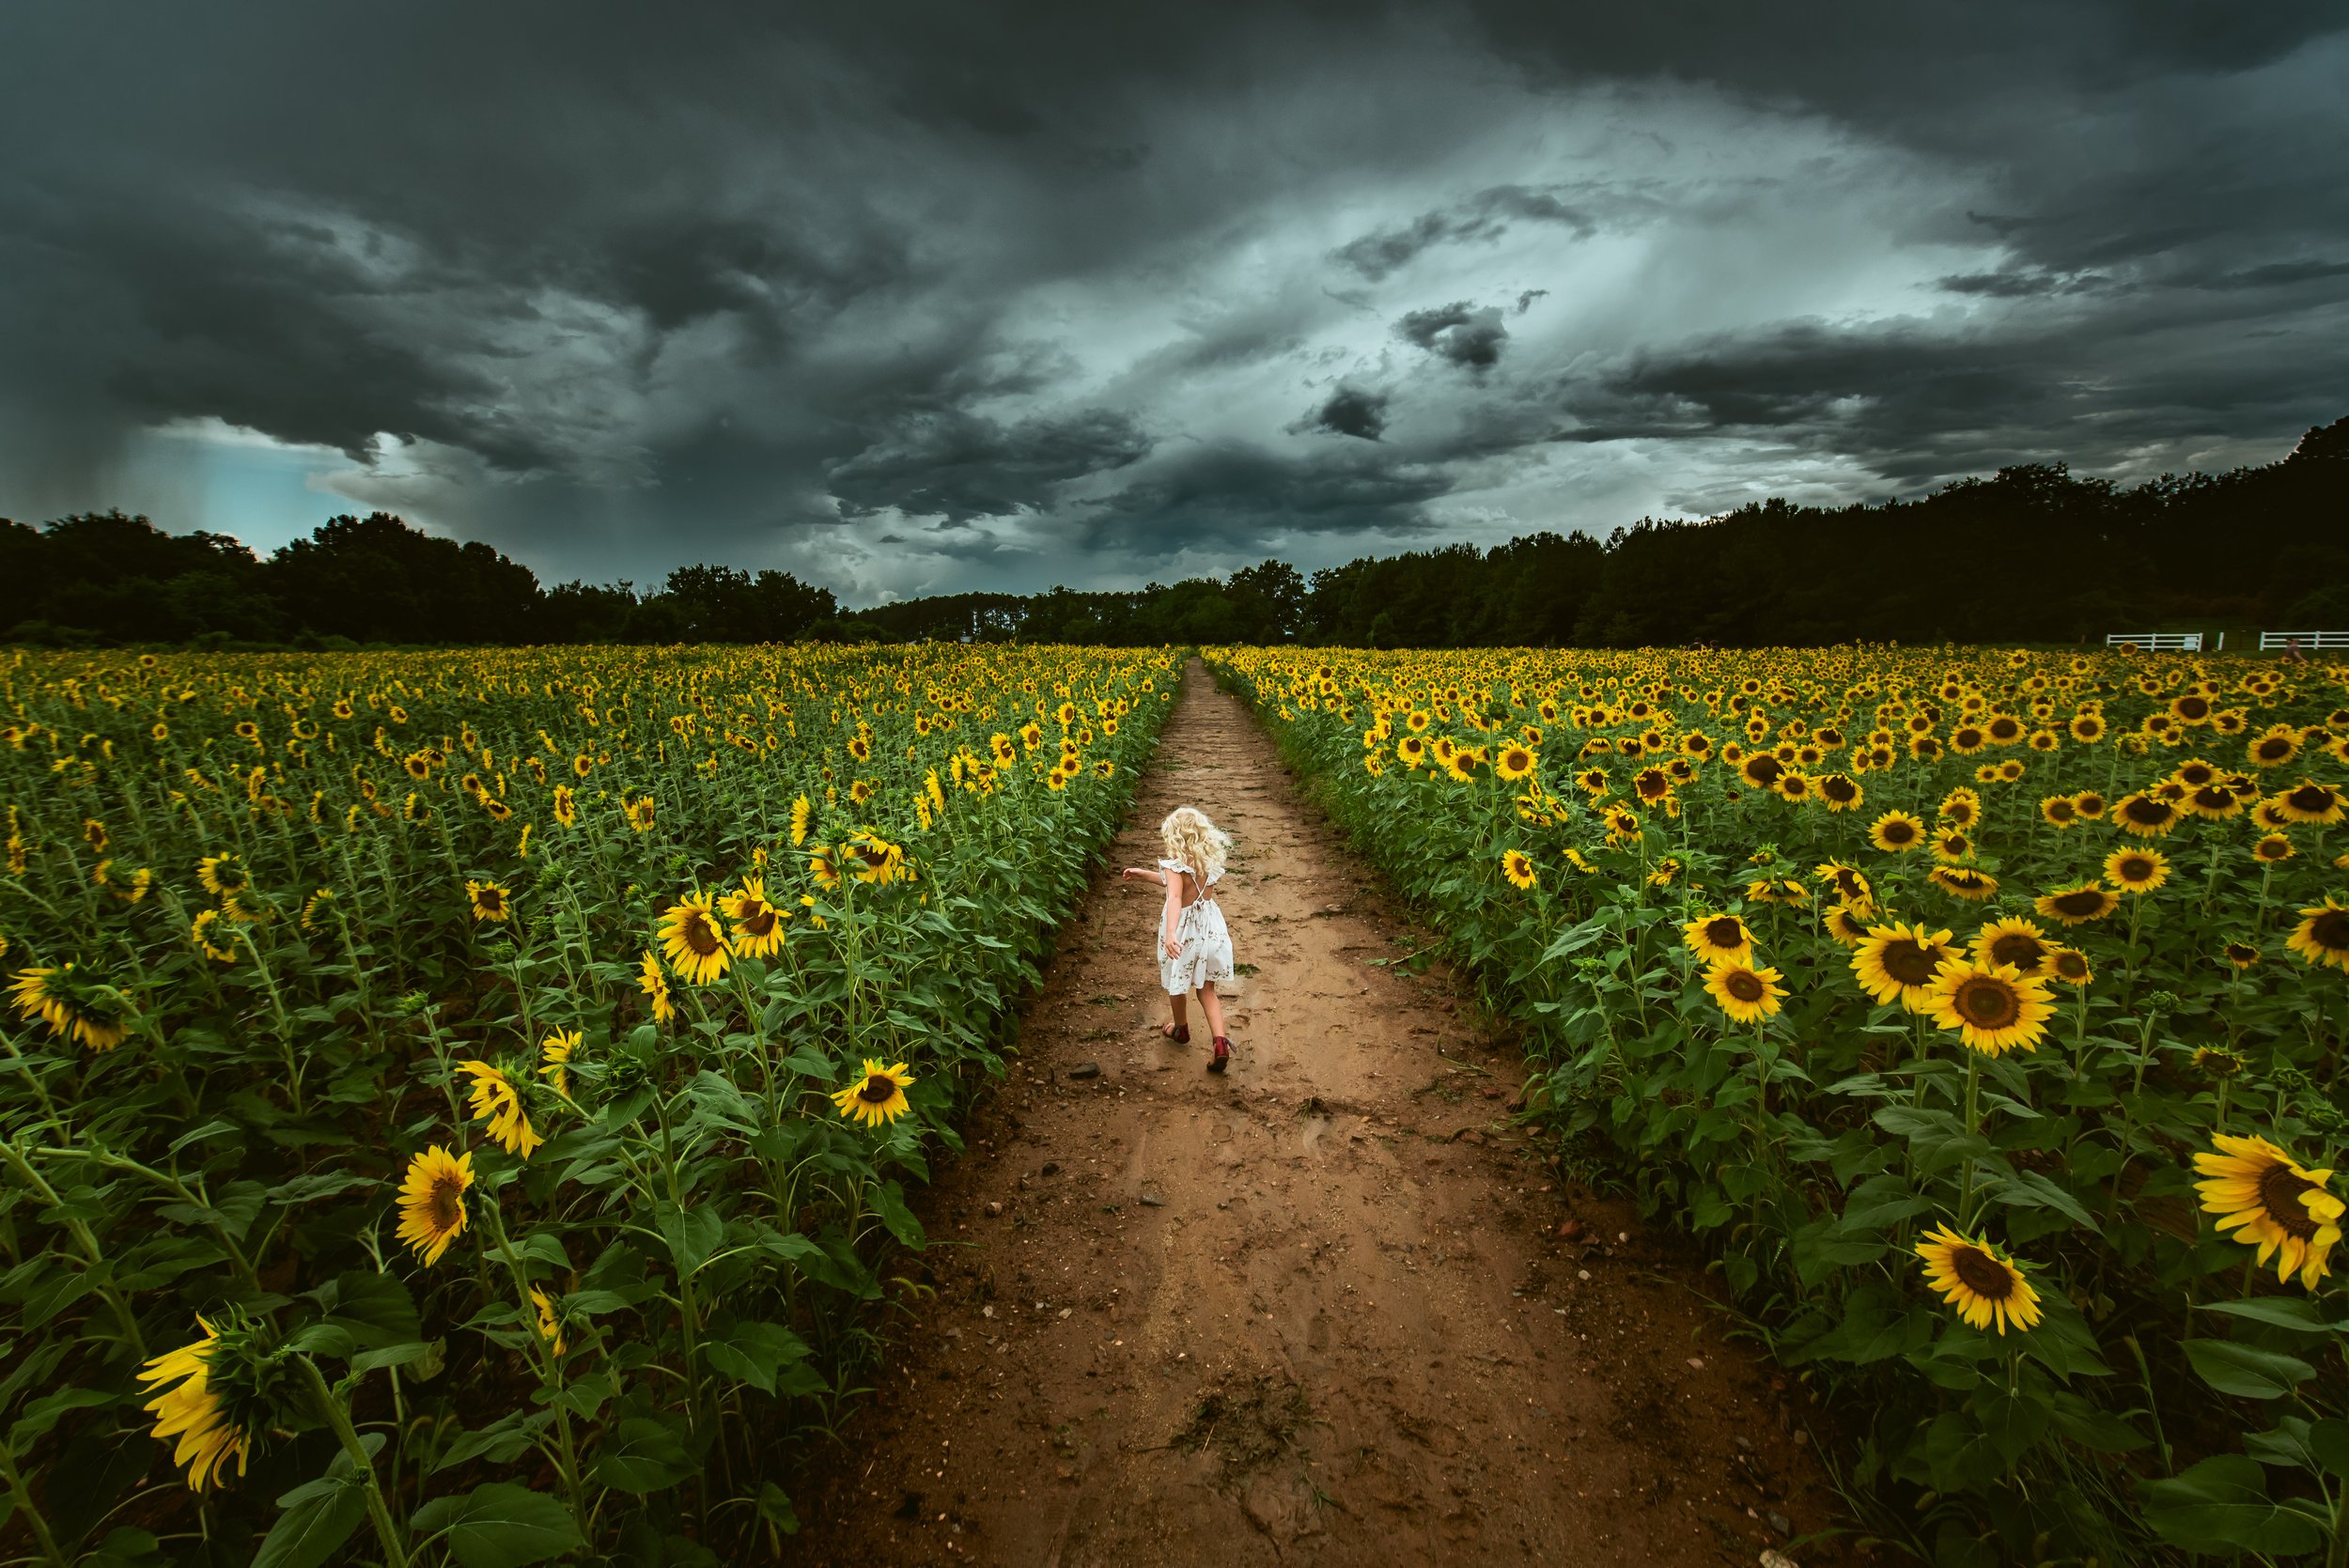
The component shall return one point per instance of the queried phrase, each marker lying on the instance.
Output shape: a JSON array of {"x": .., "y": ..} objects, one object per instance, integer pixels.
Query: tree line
[{"x": 2032, "y": 553}]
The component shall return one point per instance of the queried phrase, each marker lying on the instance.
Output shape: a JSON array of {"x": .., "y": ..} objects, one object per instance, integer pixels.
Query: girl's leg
[
  {"x": 1179, "y": 1026},
  {"x": 1212, "y": 1005}
]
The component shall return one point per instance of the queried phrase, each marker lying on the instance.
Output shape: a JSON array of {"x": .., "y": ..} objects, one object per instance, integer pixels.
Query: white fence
[
  {"x": 2159, "y": 642},
  {"x": 2308, "y": 639}
]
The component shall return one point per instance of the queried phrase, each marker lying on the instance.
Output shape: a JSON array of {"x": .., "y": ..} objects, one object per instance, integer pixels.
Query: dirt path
[{"x": 1318, "y": 1311}]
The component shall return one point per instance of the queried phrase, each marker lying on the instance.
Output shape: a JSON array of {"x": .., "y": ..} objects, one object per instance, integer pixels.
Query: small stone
[
  {"x": 1152, "y": 1199},
  {"x": 1696, "y": 1363},
  {"x": 1581, "y": 1273},
  {"x": 1780, "y": 1523},
  {"x": 1569, "y": 1230},
  {"x": 986, "y": 1312},
  {"x": 1776, "y": 1559},
  {"x": 1052, "y": 1168},
  {"x": 1091, "y": 1069},
  {"x": 994, "y": 1207},
  {"x": 1622, "y": 1238},
  {"x": 1066, "y": 1311}
]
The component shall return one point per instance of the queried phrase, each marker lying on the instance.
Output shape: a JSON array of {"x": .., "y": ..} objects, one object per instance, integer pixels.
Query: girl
[{"x": 1194, "y": 948}]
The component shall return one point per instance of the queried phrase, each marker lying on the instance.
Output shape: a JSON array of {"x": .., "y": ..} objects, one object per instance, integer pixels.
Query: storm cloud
[{"x": 915, "y": 297}]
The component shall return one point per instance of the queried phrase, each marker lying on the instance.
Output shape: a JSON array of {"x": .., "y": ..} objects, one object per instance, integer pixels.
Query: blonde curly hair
[{"x": 1199, "y": 843}]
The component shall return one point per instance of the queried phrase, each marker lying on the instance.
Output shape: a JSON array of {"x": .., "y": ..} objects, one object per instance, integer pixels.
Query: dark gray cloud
[
  {"x": 1350, "y": 412},
  {"x": 913, "y": 296},
  {"x": 1459, "y": 332}
]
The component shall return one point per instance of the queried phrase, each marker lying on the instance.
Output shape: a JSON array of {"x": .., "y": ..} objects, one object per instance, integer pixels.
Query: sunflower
[
  {"x": 640, "y": 814},
  {"x": 2015, "y": 942},
  {"x": 1950, "y": 846},
  {"x": 1961, "y": 881},
  {"x": 2273, "y": 848},
  {"x": 1513, "y": 762},
  {"x": 2137, "y": 870},
  {"x": 195, "y": 1412},
  {"x": 489, "y": 902},
  {"x": 2145, "y": 815},
  {"x": 1896, "y": 833},
  {"x": 2273, "y": 1203},
  {"x": 2061, "y": 811},
  {"x": 549, "y": 1325},
  {"x": 1993, "y": 1008},
  {"x": 757, "y": 924},
  {"x": 1517, "y": 866},
  {"x": 2243, "y": 955},
  {"x": 554, "y": 1054},
  {"x": 432, "y": 1202},
  {"x": 1846, "y": 924},
  {"x": 2311, "y": 801},
  {"x": 1412, "y": 752},
  {"x": 802, "y": 809},
  {"x": 1983, "y": 1284},
  {"x": 872, "y": 858},
  {"x": 877, "y": 1097},
  {"x": 2090, "y": 804},
  {"x": 1747, "y": 994},
  {"x": 206, "y": 933},
  {"x": 692, "y": 941},
  {"x": 497, "y": 1102},
  {"x": 1898, "y": 963},
  {"x": 1718, "y": 938},
  {"x": 74, "y": 1007},
  {"x": 566, "y": 808},
  {"x": 1961, "y": 808},
  {"x": 1840, "y": 792},
  {"x": 2322, "y": 936},
  {"x": 1851, "y": 885},
  {"x": 655, "y": 985},
  {"x": 223, "y": 875},
  {"x": 2077, "y": 905},
  {"x": 2069, "y": 965}
]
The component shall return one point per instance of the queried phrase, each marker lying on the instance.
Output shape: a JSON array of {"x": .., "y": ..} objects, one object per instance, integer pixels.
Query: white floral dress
[{"x": 1207, "y": 944}]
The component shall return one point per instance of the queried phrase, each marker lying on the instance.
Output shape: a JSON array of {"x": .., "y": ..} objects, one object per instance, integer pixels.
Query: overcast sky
[{"x": 915, "y": 299}]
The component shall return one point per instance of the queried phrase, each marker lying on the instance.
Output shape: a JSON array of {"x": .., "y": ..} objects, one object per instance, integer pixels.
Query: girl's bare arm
[
  {"x": 1136, "y": 873},
  {"x": 1170, "y": 917}
]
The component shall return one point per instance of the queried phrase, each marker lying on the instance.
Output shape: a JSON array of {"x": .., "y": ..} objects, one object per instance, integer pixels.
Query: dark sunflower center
[
  {"x": 1762, "y": 770},
  {"x": 446, "y": 1201},
  {"x": 1909, "y": 963},
  {"x": 698, "y": 936},
  {"x": 2192, "y": 707},
  {"x": 2084, "y": 901},
  {"x": 2149, "y": 812},
  {"x": 2071, "y": 966},
  {"x": 1989, "y": 1003},
  {"x": 1725, "y": 932},
  {"x": 492, "y": 902},
  {"x": 2274, "y": 749},
  {"x": 2314, "y": 798},
  {"x": 1898, "y": 833},
  {"x": 2134, "y": 870},
  {"x": 2212, "y": 797},
  {"x": 2061, "y": 811},
  {"x": 758, "y": 921},
  {"x": 2023, "y": 952},
  {"x": 1836, "y": 789},
  {"x": 1745, "y": 985},
  {"x": 880, "y": 1089},
  {"x": 2280, "y": 1195},
  {"x": 1981, "y": 1273},
  {"x": 2331, "y": 930}
]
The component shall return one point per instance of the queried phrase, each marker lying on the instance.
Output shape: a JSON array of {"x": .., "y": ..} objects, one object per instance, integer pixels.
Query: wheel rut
[{"x": 1330, "y": 1308}]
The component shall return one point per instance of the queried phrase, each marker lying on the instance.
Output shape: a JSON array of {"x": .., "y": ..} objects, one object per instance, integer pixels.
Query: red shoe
[
  {"x": 1222, "y": 1055},
  {"x": 1178, "y": 1033}
]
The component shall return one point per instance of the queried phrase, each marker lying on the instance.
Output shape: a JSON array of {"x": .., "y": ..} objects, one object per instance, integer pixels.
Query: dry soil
[{"x": 1332, "y": 1308}]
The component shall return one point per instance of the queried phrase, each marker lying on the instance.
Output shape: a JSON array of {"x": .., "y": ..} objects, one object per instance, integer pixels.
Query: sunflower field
[
  {"x": 1983, "y": 1012},
  {"x": 457, "y": 1105}
]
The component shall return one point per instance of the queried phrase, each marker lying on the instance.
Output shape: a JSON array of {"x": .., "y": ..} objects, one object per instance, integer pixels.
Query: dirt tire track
[{"x": 1313, "y": 1311}]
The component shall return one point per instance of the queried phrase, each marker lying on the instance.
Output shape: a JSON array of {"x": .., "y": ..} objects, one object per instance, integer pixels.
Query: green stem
[{"x": 386, "y": 1531}]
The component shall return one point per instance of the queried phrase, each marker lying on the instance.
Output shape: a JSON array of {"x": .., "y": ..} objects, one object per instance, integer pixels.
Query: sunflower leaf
[
  {"x": 2246, "y": 1371},
  {"x": 2221, "y": 1505},
  {"x": 2278, "y": 1311}
]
